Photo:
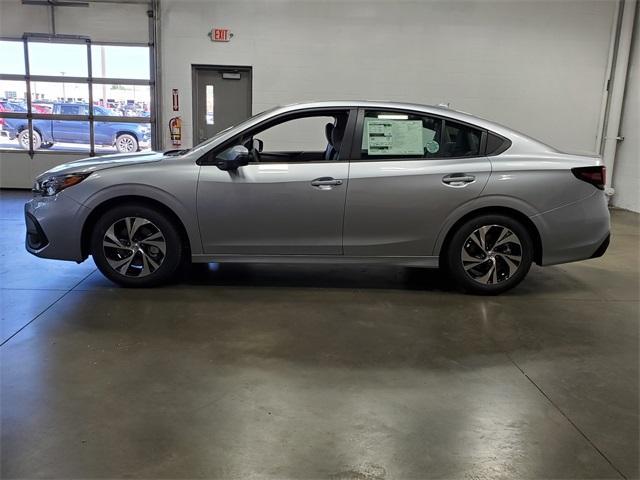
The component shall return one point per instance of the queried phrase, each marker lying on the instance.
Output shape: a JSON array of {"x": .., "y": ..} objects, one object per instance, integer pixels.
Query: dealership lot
[{"x": 318, "y": 371}]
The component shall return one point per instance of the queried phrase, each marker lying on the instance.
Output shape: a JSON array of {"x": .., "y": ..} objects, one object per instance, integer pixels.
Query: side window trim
[
  {"x": 356, "y": 153},
  {"x": 347, "y": 141}
]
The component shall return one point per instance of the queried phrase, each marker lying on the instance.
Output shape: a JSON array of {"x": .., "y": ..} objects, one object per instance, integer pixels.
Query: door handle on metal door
[
  {"x": 458, "y": 179},
  {"x": 325, "y": 183}
]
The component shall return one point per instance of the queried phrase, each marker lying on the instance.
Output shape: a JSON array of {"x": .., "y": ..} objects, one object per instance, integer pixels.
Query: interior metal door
[{"x": 221, "y": 98}]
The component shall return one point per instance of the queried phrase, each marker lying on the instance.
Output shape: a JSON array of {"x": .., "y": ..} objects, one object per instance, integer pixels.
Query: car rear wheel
[
  {"x": 126, "y": 143},
  {"x": 489, "y": 254},
  {"x": 23, "y": 138},
  {"x": 136, "y": 246}
]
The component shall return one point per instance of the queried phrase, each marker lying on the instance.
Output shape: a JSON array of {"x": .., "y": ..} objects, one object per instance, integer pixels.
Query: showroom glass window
[
  {"x": 74, "y": 96},
  {"x": 403, "y": 135}
]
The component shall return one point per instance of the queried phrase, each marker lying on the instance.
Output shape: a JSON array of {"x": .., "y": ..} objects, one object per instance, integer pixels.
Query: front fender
[{"x": 185, "y": 213}]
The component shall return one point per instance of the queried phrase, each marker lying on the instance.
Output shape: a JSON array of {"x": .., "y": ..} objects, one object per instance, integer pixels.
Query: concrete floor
[{"x": 318, "y": 372}]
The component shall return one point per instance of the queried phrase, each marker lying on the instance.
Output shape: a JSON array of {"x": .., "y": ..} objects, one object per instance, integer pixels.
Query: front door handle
[
  {"x": 325, "y": 183},
  {"x": 458, "y": 179}
]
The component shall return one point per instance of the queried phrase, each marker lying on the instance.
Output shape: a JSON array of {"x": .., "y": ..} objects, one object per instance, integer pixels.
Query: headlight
[{"x": 49, "y": 186}]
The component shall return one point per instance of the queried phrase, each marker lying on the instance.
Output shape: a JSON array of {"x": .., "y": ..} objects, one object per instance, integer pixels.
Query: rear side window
[
  {"x": 460, "y": 140},
  {"x": 397, "y": 135},
  {"x": 70, "y": 110}
]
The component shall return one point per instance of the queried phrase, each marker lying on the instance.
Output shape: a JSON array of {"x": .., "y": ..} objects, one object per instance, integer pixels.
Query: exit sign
[{"x": 220, "y": 35}]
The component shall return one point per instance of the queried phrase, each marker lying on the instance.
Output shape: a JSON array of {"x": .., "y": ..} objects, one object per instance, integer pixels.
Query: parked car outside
[
  {"x": 400, "y": 184},
  {"x": 126, "y": 137},
  {"x": 8, "y": 106}
]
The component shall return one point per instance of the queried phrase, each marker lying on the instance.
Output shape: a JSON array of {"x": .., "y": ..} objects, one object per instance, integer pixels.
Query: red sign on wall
[
  {"x": 220, "y": 35},
  {"x": 174, "y": 99}
]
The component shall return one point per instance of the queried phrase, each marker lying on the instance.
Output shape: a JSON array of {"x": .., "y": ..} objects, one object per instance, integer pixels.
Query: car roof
[{"x": 433, "y": 109}]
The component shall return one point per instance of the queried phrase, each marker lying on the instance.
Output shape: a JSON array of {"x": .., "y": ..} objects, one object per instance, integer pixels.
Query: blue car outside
[{"x": 126, "y": 137}]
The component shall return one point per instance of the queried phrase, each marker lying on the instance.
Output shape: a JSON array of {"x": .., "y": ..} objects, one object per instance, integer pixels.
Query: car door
[
  {"x": 289, "y": 199},
  {"x": 71, "y": 131},
  {"x": 104, "y": 132},
  {"x": 409, "y": 171}
]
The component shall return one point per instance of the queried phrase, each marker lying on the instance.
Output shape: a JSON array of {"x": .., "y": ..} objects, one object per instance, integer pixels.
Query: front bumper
[
  {"x": 145, "y": 141},
  {"x": 54, "y": 227},
  {"x": 4, "y": 132}
]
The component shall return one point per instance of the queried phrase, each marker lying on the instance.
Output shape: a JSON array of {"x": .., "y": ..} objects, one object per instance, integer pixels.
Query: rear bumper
[
  {"x": 54, "y": 227},
  {"x": 602, "y": 248},
  {"x": 573, "y": 232}
]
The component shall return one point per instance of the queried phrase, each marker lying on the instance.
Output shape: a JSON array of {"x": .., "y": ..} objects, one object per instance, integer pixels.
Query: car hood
[{"x": 94, "y": 164}]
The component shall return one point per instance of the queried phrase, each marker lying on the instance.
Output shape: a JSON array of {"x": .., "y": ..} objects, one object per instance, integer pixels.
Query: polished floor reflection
[{"x": 337, "y": 372}]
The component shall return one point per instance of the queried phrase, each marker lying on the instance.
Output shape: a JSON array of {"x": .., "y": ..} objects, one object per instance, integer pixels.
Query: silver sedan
[{"x": 330, "y": 182}]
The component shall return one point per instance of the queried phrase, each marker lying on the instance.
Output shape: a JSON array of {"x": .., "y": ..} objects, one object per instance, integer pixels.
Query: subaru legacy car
[{"x": 330, "y": 182}]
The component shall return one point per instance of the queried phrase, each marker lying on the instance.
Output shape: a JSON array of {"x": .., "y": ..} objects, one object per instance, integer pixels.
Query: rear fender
[{"x": 479, "y": 204}]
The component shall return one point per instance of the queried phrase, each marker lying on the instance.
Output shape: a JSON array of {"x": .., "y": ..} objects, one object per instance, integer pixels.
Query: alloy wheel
[
  {"x": 491, "y": 254},
  {"x": 125, "y": 144},
  {"x": 134, "y": 247}
]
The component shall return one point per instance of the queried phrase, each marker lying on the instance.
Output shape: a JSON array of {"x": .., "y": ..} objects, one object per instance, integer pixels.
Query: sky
[{"x": 56, "y": 58}]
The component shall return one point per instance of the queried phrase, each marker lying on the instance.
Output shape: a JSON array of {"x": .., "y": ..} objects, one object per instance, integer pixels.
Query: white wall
[
  {"x": 536, "y": 66},
  {"x": 99, "y": 21},
  {"x": 626, "y": 174}
]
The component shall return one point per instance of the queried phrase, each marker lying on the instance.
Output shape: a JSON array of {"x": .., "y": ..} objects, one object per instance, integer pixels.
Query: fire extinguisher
[{"x": 175, "y": 128}]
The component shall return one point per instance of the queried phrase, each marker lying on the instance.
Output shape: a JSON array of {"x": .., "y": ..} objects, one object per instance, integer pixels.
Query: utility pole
[
  {"x": 64, "y": 91},
  {"x": 103, "y": 63}
]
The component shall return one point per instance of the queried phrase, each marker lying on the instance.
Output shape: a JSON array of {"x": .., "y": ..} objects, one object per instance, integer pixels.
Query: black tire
[
  {"x": 23, "y": 139},
  {"x": 144, "y": 249},
  {"x": 491, "y": 271}
]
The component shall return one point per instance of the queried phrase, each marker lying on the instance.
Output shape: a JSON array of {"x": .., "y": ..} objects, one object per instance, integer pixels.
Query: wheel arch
[
  {"x": 95, "y": 214},
  {"x": 502, "y": 210},
  {"x": 25, "y": 126},
  {"x": 125, "y": 132}
]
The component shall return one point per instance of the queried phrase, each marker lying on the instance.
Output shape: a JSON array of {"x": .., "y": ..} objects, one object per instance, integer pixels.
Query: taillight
[{"x": 596, "y": 176}]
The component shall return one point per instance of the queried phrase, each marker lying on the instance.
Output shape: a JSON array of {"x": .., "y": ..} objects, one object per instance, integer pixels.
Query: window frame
[
  {"x": 356, "y": 146},
  {"x": 89, "y": 80},
  {"x": 209, "y": 157}
]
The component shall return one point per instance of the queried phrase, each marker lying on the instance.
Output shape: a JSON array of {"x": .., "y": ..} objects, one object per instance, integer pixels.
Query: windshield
[{"x": 203, "y": 146}]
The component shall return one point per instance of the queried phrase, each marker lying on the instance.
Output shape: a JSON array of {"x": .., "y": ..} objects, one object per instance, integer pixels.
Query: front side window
[
  {"x": 315, "y": 136},
  {"x": 398, "y": 135}
]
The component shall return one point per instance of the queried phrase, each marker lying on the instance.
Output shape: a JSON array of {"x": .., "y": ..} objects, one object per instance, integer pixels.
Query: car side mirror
[
  {"x": 233, "y": 158},
  {"x": 258, "y": 145}
]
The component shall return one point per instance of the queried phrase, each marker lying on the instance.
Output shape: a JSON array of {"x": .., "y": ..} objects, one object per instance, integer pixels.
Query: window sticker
[
  {"x": 393, "y": 137},
  {"x": 433, "y": 146}
]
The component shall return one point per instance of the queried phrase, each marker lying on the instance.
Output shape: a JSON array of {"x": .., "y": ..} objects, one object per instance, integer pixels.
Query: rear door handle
[
  {"x": 325, "y": 183},
  {"x": 458, "y": 179}
]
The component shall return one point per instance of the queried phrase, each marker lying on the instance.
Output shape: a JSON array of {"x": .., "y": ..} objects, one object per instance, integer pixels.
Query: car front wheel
[
  {"x": 23, "y": 138},
  {"x": 136, "y": 246},
  {"x": 126, "y": 143},
  {"x": 489, "y": 254}
]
